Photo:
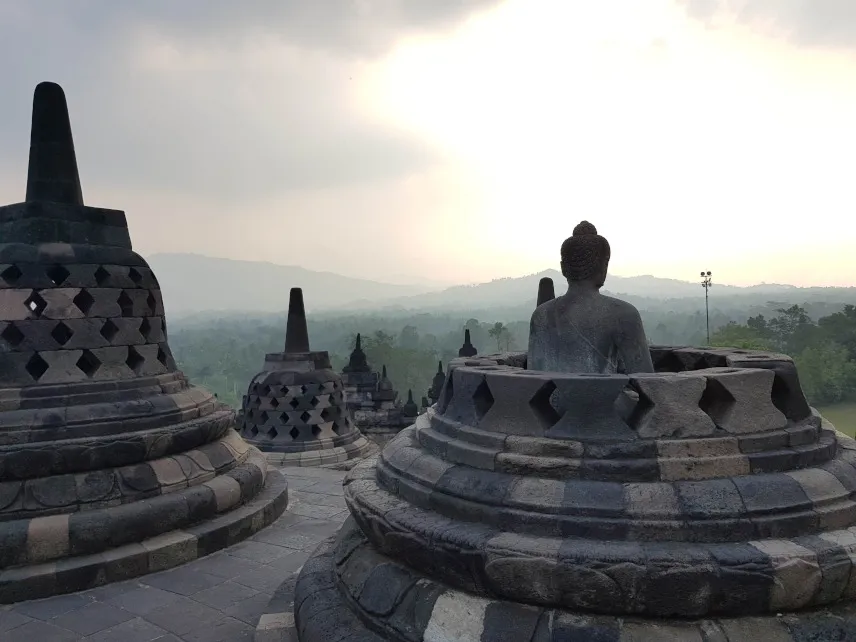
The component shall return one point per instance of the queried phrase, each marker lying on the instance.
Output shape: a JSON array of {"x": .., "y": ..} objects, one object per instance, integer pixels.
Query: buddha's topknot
[
  {"x": 585, "y": 253},
  {"x": 584, "y": 229}
]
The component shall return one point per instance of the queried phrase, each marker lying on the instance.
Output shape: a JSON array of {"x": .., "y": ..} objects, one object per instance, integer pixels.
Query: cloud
[
  {"x": 228, "y": 101},
  {"x": 810, "y": 23}
]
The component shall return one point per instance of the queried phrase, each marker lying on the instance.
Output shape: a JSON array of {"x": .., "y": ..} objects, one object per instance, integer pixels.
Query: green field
[{"x": 842, "y": 416}]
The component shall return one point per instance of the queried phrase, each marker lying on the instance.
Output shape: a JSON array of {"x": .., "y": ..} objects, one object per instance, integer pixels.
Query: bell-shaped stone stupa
[
  {"x": 294, "y": 408},
  {"x": 111, "y": 464},
  {"x": 681, "y": 494}
]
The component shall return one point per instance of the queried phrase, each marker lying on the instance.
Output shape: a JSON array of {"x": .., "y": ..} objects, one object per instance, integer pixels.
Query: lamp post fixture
[{"x": 706, "y": 284}]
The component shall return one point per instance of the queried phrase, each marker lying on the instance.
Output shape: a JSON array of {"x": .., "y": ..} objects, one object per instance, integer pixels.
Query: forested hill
[{"x": 195, "y": 284}]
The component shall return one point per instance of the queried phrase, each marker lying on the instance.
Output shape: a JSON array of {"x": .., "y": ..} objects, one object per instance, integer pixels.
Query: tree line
[
  {"x": 824, "y": 351},
  {"x": 224, "y": 354}
]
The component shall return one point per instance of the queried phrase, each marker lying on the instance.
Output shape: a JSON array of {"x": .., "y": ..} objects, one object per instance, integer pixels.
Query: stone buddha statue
[{"x": 584, "y": 331}]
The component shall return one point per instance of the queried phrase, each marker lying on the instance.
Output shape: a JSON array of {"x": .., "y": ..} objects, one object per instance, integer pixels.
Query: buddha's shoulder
[{"x": 619, "y": 306}]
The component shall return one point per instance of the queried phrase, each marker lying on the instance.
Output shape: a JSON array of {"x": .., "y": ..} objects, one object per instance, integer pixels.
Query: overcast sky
[{"x": 457, "y": 140}]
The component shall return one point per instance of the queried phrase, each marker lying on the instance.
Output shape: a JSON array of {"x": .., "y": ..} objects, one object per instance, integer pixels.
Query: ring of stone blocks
[
  {"x": 725, "y": 509},
  {"x": 105, "y": 487},
  {"x": 298, "y": 439},
  {"x": 797, "y": 446},
  {"x": 151, "y": 409},
  {"x": 98, "y": 364},
  {"x": 586, "y": 571},
  {"x": 345, "y": 584},
  {"x": 66, "y": 272},
  {"x": 157, "y": 553},
  {"x": 170, "y": 494},
  {"x": 705, "y": 403},
  {"x": 87, "y": 392},
  {"x": 83, "y": 455},
  {"x": 787, "y": 393},
  {"x": 322, "y": 456}
]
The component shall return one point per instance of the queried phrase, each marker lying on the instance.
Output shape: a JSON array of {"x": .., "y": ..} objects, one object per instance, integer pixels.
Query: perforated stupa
[{"x": 111, "y": 464}]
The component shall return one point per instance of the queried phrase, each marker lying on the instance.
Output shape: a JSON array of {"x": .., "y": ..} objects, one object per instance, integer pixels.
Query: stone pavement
[{"x": 218, "y": 598}]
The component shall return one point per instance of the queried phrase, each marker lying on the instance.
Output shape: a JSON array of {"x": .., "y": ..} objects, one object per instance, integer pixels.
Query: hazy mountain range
[{"x": 192, "y": 283}]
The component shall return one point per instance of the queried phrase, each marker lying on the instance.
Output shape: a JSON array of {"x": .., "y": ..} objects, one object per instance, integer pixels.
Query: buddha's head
[{"x": 585, "y": 255}]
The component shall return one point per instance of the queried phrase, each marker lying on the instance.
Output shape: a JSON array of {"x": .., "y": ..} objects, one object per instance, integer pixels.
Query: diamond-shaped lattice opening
[
  {"x": 163, "y": 357},
  {"x": 283, "y": 417},
  {"x": 62, "y": 333},
  {"x": 482, "y": 400},
  {"x": 326, "y": 414},
  {"x": 152, "y": 302},
  {"x": 135, "y": 359},
  {"x": 12, "y": 335},
  {"x": 254, "y": 430},
  {"x": 335, "y": 427},
  {"x": 541, "y": 406},
  {"x": 303, "y": 389},
  {"x": 294, "y": 402},
  {"x": 57, "y": 274},
  {"x": 314, "y": 401},
  {"x": 632, "y": 405},
  {"x": 36, "y": 304},
  {"x": 109, "y": 330},
  {"x": 294, "y": 432},
  {"x": 781, "y": 395},
  {"x": 273, "y": 433},
  {"x": 88, "y": 363},
  {"x": 263, "y": 416},
  {"x": 670, "y": 363},
  {"x": 135, "y": 276},
  {"x": 264, "y": 391},
  {"x": 101, "y": 275},
  {"x": 145, "y": 328},
  {"x": 36, "y": 366},
  {"x": 716, "y": 401},
  {"x": 11, "y": 274},
  {"x": 84, "y": 301},
  {"x": 126, "y": 304},
  {"x": 305, "y": 417},
  {"x": 316, "y": 430},
  {"x": 274, "y": 403},
  {"x": 446, "y": 394}
]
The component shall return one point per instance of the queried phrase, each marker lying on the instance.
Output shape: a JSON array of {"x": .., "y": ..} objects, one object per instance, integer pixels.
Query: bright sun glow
[{"x": 685, "y": 146}]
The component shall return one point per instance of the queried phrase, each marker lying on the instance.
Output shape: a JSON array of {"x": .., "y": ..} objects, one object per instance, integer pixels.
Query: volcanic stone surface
[
  {"x": 295, "y": 408},
  {"x": 705, "y": 501},
  {"x": 111, "y": 464}
]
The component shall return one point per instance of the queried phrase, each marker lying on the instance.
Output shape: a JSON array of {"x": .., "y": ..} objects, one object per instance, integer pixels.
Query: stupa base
[
  {"x": 323, "y": 454},
  {"x": 158, "y": 553},
  {"x": 346, "y": 591}
]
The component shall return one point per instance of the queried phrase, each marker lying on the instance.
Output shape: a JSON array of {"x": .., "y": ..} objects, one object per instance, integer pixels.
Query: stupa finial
[
  {"x": 52, "y": 174},
  {"x": 296, "y": 332},
  {"x": 546, "y": 291}
]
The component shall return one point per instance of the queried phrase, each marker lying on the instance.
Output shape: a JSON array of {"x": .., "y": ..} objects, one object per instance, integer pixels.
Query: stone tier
[
  {"x": 152, "y": 554},
  {"x": 348, "y": 591}
]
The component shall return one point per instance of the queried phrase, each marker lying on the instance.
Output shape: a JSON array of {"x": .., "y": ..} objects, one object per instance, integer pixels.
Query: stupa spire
[
  {"x": 296, "y": 332},
  {"x": 546, "y": 291},
  {"x": 468, "y": 349},
  {"x": 52, "y": 174}
]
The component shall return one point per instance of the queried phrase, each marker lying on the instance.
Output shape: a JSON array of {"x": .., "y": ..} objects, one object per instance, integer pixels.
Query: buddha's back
[{"x": 583, "y": 330}]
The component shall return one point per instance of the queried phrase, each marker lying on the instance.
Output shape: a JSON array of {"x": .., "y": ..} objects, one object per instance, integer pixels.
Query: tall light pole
[{"x": 706, "y": 284}]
